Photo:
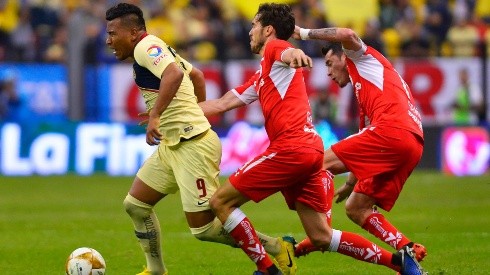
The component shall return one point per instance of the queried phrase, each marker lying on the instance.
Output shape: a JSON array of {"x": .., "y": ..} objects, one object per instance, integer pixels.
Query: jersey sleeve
[
  {"x": 274, "y": 50},
  {"x": 154, "y": 57},
  {"x": 354, "y": 55},
  {"x": 185, "y": 65},
  {"x": 246, "y": 92}
]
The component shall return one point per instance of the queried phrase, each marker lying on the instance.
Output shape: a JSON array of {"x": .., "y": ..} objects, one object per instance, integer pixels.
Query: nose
[{"x": 108, "y": 40}]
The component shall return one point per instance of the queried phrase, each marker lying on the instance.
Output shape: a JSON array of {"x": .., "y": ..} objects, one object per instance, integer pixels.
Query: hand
[
  {"x": 343, "y": 192},
  {"x": 153, "y": 135},
  {"x": 296, "y": 35},
  {"x": 300, "y": 59},
  {"x": 146, "y": 116}
]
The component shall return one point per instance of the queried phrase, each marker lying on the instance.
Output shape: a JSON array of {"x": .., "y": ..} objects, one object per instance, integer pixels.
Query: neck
[
  {"x": 270, "y": 38},
  {"x": 142, "y": 35}
]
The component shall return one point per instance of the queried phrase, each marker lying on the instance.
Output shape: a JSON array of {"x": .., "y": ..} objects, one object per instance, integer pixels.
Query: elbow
[
  {"x": 196, "y": 75},
  {"x": 179, "y": 75},
  {"x": 349, "y": 35}
]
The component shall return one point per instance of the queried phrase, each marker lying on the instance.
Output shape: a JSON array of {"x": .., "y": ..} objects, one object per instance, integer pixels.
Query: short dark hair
[
  {"x": 129, "y": 14},
  {"x": 336, "y": 48},
  {"x": 279, "y": 16}
]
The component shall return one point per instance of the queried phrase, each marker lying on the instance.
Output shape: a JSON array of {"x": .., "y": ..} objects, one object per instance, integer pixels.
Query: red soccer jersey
[
  {"x": 282, "y": 95},
  {"x": 384, "y": 97}
]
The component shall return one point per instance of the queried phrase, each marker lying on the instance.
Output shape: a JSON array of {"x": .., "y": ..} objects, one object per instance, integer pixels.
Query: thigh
[
  {"x": 199, "y": 219},
  {"x": 157, "y": 173},
  {"x": 144, "y": 193},
  {"x": 316, "y": 192},
  {"x": 195, "y": 164},
  {"x": 332, "y": 163},
  {"x": 297, "y": 173},
  {"x": 375, "y": 150},
  {"x": 386, "y": 187},
  {"x": 314, "y": 223}
]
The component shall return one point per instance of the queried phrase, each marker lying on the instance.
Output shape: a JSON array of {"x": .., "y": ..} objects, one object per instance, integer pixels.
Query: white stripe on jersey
[
  {"x": 371, "y": 69},
  {"x": 368, "y": 66},
  {"x": 281, "y": 75}
]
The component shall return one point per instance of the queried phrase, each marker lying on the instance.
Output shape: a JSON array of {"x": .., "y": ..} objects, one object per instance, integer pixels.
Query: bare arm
[
  {"x": 197, "y": 78},
  {"x": 218, "y": 106},
  {"x": 347, "y": 37},
  {"x": 171, "y": 79}
]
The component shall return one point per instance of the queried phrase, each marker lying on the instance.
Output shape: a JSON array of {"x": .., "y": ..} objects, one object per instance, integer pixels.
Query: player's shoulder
[
  {"x": 278, "y": 43},
  {"x": 151, "y": 46}
]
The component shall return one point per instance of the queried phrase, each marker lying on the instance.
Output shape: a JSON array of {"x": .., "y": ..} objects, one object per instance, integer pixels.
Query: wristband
[{"x": 303, "y": 33}]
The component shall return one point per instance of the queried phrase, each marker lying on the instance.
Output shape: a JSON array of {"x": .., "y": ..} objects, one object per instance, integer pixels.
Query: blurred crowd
[{"x": 204, "y": 30}]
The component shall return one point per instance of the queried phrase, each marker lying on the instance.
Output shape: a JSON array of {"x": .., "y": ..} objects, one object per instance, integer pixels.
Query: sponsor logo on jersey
[{"x": 154, "y": 51}]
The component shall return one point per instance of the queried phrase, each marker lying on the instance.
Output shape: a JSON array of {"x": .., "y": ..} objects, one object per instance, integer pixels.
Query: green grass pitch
[{"x": 42, "y": 219}]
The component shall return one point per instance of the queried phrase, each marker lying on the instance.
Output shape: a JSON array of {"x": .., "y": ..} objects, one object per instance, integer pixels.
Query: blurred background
[{"x": 67, "y": 106}]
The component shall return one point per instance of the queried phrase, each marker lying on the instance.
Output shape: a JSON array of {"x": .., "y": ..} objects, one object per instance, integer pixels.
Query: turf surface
[{"x": 42, "y": 219}]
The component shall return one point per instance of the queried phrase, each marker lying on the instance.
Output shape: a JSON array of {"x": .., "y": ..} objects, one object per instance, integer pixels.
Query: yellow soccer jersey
[{"x": 183, "y": 117}]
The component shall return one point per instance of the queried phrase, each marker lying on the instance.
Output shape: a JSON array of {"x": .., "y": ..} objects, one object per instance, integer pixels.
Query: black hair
[
  {"x": 336, "y": 48},
  {"x": 279, "y": 16},
  {"x": 129, "y": 14}
]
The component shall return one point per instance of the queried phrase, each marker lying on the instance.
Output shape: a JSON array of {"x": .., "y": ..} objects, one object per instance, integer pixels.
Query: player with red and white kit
[
  {"x": 390, "y": 141},
  {"x": 292, "y": 164}
]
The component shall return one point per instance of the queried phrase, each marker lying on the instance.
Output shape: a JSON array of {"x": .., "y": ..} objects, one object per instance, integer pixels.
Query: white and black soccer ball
[{"x": 85, "y": 261}]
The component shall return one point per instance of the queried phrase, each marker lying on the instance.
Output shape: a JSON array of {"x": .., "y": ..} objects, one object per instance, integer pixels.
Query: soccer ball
[{"x": 85, "y": 261}]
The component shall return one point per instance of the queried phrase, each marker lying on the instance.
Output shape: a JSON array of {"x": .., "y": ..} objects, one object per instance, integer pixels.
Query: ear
[
  {"x": 269, "y": 30},
  {"x": 343, "y": 57},
  {"x": 134, "y": 33}
]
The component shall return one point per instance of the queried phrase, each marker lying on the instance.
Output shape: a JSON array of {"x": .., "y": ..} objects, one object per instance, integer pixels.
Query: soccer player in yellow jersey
[{"x": 188, "y": 153}]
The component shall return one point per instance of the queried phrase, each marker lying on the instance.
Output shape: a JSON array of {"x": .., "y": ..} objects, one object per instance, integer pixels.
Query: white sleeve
[
  {"x": 353, "y": 55},
  {"x": 248, "y": 96}
]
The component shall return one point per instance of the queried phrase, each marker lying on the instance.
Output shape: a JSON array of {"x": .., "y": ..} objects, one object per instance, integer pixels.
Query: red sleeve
[{"x": 274, "y": 50}]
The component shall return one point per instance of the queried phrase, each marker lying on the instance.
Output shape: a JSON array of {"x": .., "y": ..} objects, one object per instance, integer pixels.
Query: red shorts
[
  {"x": 381, "y": 158},
  {"x": 296, "y": 173}
]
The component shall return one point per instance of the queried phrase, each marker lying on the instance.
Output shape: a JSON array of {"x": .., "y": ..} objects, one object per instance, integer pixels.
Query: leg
[
  {"x": 346, "y": 243},
  {"x": 315, "y": 225},
  {"x": 361, "y": 209},
  {"x": 139, "y": 205},
  {"x": 332, "y": 163},
  {"x": 206, "y": 227},
  {"x": 225, "y": 203}
]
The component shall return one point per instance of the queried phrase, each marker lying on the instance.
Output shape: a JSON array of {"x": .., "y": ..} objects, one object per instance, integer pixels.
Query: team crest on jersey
[
  {"x": 154, "y": 51},
  {"x": 358, "y": 88}
]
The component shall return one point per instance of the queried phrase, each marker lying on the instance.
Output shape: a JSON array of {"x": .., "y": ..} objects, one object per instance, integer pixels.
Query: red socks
[
  {"x": 358, "y": 247},
  {"x": 242, "y": 231},
  {"x": 377, "y": 225}
]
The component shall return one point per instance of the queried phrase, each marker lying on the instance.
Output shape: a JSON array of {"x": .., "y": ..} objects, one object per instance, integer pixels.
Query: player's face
[
  {"x": 257, "y": 37},
  {"x": 337, "y": 68},
  {"x": 120, "y": 38}
]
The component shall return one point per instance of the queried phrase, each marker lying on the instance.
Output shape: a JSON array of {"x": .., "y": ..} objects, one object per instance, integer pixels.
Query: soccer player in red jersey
[
  {"x": 292, "y": 164},
  {"x": 390, "y": 141}
]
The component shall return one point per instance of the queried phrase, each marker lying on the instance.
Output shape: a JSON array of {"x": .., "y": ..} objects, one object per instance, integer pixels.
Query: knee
[
  {"x": 322, "y": 240},
  {"x": 135, "y": 207},
  {"x": 354, "y": 213},
  {"x": 215, "y": 203}
]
